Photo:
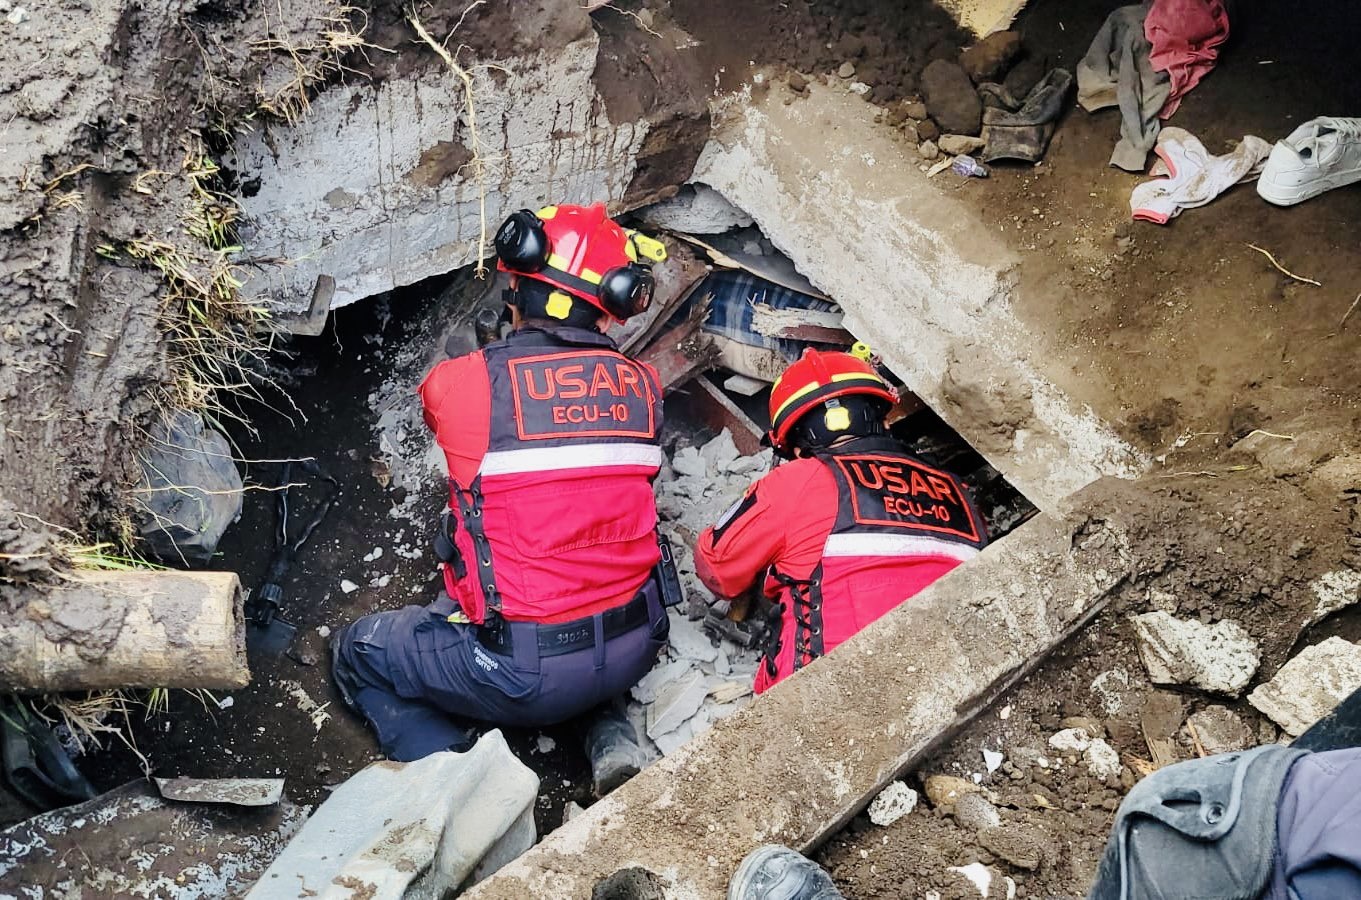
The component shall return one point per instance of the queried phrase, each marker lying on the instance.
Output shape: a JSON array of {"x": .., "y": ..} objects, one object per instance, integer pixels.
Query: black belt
[{"x": 559, "y": 638}]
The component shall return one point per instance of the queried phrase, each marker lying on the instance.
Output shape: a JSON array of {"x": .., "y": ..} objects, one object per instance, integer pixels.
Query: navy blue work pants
[{"x": 412, "y": 674}]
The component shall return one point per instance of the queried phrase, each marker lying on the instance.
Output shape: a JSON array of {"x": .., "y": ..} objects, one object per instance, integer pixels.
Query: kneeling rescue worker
[
  {"x": 552, "y": 602},
  {"x": 845, "y": 530}
]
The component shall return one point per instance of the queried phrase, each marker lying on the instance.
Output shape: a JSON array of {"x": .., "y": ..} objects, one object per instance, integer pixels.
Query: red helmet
[
  {"x": 817, "y": 377},
  {"x": 582, "y": 251}
]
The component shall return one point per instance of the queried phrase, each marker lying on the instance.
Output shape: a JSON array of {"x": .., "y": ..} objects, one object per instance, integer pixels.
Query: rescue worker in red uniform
[
  {"x": 845, "y": 530},
  {"x": 552, "y": 603}
]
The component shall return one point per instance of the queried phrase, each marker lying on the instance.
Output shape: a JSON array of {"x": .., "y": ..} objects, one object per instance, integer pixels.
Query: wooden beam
[
  {"x": 683, "y": 352},
  {"x": 117, "y": 629}
]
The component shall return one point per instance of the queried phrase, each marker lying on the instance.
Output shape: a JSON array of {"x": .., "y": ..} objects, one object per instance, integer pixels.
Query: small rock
[
  {"x": 797, "y": 83},
  {"x": 951, "y": 99},
  {"x": 324, "y": 631},
  {"x": 990, "y": 57},
  {"x": 893, "y": 802},
  {"x": 1221, "y": 658},
  {"x": 1220, "y": 730},
  {"x": 847, "y": 70},
  {"x": 977, "y": 874},
  {"x": 928, "y": 130},
  {"x": 1310, "y": 685},
  {"x": 571, "y": 811},
  {"x": 929, "y": 150},
  {"x": 960, "y": 144},
  {"x": 1071, "y": 740},
  {"x": 992, "y": 759},
  {"x": 974, "y": 812},
  {"x": 1102, "y": 760},
  {"x": 348, "y": 586},
  {"x": 17, "y": 16},
  {"x": 545, "y": 744},
  {"x": 687, "y": 461},
  {"x": 943, "y": 790},
  {"x": 916, "y": 109},
  {"x": 1019, "y": 845},
  {"x": 859, "y": 87},
  {"x": 910, "y": 133}
]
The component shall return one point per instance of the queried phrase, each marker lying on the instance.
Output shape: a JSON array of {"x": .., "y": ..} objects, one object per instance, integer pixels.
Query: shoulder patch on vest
[
  {"x": 897, "y": 492},
  {"x": 581, "y": 393}
]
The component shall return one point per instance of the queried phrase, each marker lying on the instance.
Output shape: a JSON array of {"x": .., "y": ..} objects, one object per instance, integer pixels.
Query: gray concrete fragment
[
  {"x": 972, "y": 635},
  {"x": 688, "y": 641},
  {"x": 651, "y": 684},
  {"x": 1221, "y": 730},
  {"x": 687, "y": 461},
  {"x": 1333, "y": 591},
  {"x": 676, "y": 703},
  {"x": 720, "y": 452},
  {"x": 1310, "y": 685},
  {"x": 1102, "y": 760},
  {"x": 412, "y": 830},
  {"x": 957, "y": 144},
  {"x": 1221, "y": 657},
  {"x": 237, "y": 791},
  {"x": 696, "y": 209}
]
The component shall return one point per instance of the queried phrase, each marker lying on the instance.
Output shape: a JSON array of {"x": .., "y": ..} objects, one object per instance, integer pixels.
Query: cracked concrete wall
[
  {"x": 920, "y": 276},
  {"x": 373, "y": 188},
  {"x": 970, "y": 636}
]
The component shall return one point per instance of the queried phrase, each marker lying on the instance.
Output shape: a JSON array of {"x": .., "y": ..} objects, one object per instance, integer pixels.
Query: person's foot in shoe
[
  {"x": 773, "y": 872},
  {"x": 1320, "y": 155}
]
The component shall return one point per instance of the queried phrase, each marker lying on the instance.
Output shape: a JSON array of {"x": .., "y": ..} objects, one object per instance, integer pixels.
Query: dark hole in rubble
[{"x": 633, "y": 883}]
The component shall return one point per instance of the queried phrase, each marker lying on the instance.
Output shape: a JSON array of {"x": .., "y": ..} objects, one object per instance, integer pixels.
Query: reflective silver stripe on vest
[
  {"x": 580, "y": 456},
  {"x": 870, "y": 544}
]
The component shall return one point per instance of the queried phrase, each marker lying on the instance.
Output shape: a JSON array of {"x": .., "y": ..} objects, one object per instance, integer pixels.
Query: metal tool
[{"x": 267, "y": 633}]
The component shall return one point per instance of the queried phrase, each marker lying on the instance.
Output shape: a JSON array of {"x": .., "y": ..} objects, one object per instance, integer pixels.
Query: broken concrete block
[
  {"x": 676, "y": 704},
  {"x": 720, "y": 452},
  {"x": 1220, "y": 730},
  {"x": 436, "y": 818},
  {"x": 1333, "y": 591},
  {"x": 958, "y": 144},
  {"x": 974, "y": 812},
  {"x": 647, "y": 688},
  {"x": 687, "y": 461},
  {"x": 943, "y": 790},
  {"x": 1102, "y": 760},
  {"x": 1310, "y": 685},
  {"x": 951, "y": 99},
  {"x": 696, "y": 209},
  {"x": 688, "y": 641},
  {"x": 672, "y": 741},
  {"x": 893, "y": 802},
  {"x": 1221, "y": 657}
]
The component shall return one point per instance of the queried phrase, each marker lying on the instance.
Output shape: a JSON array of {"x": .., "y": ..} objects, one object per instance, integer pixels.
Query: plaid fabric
[{"x": 734, "y": 292}]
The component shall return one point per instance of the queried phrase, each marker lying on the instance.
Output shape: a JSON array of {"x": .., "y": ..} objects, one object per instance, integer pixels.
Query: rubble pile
[{"x": 700, "y": 679}]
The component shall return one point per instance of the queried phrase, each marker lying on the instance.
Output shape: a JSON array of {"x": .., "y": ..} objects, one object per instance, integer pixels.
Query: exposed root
[
  {"x": 478, "y": 164},
  {"x": 1282, "y": 269},
  {"x": 312, "y": 63}
]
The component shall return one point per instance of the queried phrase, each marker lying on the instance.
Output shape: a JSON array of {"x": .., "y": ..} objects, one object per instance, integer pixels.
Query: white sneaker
[{"x": 1320, "y": 155}]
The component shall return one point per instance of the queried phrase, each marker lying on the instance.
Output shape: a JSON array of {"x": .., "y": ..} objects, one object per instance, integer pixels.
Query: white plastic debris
[
  {"x": 348, "y": 586},
  {"x": 893, "y": 802}
]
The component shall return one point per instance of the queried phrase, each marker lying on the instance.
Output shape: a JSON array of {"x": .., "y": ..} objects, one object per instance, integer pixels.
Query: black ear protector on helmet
[
  {"x": 522, "y": 245},
  {"x": 854, "y": 415}
]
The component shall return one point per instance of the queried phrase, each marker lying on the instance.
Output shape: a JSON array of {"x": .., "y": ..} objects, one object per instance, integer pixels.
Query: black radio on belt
[{"x": 668, "y": 579}]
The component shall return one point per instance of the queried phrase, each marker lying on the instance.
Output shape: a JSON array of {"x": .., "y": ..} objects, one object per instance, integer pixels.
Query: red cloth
[
  {"x": 1185, "y": 35},
  {"x": 456, "y": 403}
]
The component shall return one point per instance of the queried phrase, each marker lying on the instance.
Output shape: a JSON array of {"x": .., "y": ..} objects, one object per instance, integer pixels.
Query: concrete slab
[
  {"x": 931, "y": 291},
  {"x": 1310, "y": 685},
  {"x": 1221, "y": 658},
  {"x": 690, "y": 818}
]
